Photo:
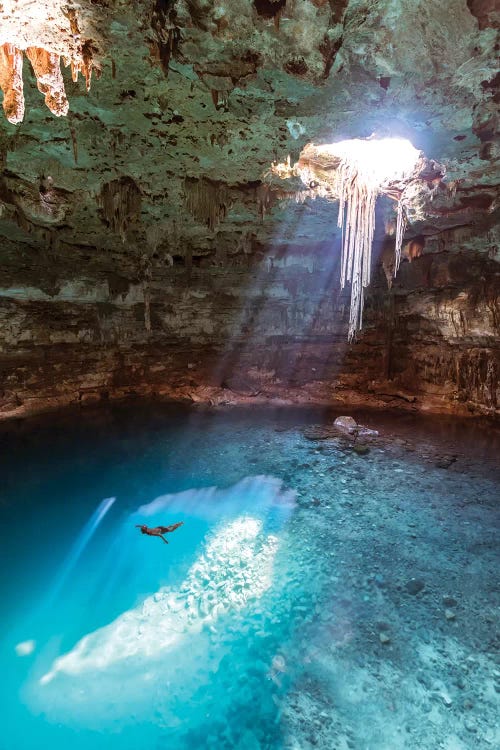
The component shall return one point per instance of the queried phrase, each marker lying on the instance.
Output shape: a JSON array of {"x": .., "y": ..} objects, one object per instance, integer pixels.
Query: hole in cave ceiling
[{"x": 355, "y": 172}]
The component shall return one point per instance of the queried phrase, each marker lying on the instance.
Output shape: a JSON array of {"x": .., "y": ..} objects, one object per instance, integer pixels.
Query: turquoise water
[{"x": 279, "y": 615}]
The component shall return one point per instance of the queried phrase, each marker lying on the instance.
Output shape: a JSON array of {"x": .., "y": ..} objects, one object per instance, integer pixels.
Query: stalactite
[
  {"x": 207, "y": 201},
  {"x": 39, "y": 35},
  {"x": 47, "y": 70},
  {"x": 146, "y": 273},
  {"x": 85, "y": 65},
  {"x": 400, "y": 230},
  {"x": 147, "y": 307},
  {"x": 168, "y": 34},
  {"x": 11, "y": 82},
  {"x": 414, "y": 248},
  {"x": 358, "y": 193},
  {"x": 267, "y": 195},
  {"x": 84, "y": 61},
  {"x": 357, "y": 220},
  {"x": 164, "y": 49},
  {"x": 120, "y": 203},
  {"x": 264, "y": 199},
  {"x": 220, "y": 99},
  {"x": 355, "y": 172},
  {"x": 74, "y": 142}
]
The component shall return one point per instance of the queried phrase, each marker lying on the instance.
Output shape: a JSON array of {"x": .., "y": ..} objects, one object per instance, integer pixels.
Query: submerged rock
[
  {"x": 447, "y": 700},
  {"x": 414, "y": 586},
  {"x": 361, "y": 450},
  {"x": 346, "y": 424},
  {"x": 367, "y": 432},
  {"x": 444, "y": 462},
  {"x": 384, "y": 635}
]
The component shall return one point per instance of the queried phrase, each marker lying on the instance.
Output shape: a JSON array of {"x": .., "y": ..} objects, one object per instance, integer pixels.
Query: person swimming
[{"x": 158, "y": 530}]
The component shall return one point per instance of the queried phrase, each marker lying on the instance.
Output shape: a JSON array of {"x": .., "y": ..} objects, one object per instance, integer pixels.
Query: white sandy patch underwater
[{"x": 164, "y": 637}]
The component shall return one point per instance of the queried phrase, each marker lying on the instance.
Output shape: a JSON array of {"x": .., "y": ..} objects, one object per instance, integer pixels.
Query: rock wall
[
  {"x": 269, "y": 324},
  {"x": 142, "y": 250}
]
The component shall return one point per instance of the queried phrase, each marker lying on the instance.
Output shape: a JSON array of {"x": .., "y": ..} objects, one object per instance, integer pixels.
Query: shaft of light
[{"x": 82, "y": 541}]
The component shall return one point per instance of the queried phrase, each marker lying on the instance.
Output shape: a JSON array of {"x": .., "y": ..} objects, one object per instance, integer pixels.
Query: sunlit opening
[
  {"x": 356, "y": 172},
  {"x": 365, "y": 167},
  {"x": 378, "y": 162}
]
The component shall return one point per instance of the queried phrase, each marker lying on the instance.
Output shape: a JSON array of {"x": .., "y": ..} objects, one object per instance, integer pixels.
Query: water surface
[{"x": 314, "y": 597}]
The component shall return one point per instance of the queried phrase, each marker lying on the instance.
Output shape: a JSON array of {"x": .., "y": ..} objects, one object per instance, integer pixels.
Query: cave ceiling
[{"x": 183, "y": 106}]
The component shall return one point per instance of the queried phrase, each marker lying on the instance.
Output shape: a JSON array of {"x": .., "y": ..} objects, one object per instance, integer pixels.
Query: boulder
[{"x": 346, "y": 424}]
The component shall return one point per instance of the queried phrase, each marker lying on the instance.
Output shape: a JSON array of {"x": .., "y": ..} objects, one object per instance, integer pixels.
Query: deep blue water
[{"x": 277, "y": 617}]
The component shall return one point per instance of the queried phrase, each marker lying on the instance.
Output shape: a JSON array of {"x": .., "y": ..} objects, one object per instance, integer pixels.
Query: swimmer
[{"x": 159, "y": 530}]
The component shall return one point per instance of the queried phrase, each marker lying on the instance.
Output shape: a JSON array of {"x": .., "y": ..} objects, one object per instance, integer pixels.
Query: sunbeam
[{"x": 79, "y": 546}]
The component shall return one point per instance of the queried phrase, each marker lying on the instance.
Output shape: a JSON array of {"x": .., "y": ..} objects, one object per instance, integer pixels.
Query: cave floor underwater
[{"x": 316, "y": 596}]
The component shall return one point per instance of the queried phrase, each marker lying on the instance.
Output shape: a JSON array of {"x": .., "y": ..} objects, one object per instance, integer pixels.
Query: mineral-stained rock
[
  {"x": 120, "y": 202},
  {"x": 208, "y": 202},
  {"x": 11, "y": 82},
  {"x": 47, "y": 69}
]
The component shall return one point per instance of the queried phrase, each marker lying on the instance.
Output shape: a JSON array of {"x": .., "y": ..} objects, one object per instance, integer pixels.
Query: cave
[{"x": 249, "y": 309}]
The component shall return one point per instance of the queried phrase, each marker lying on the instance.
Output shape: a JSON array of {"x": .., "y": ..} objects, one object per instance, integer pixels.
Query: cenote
[
  {"x": 316, "y": 595},
  {"x": 249, "y": 374}
]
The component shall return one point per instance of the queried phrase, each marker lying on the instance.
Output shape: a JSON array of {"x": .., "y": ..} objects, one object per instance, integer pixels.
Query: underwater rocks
[
  {"x": 336, "y": 577},
  {"x": 346, "y": 424},
  {"x": 360, "y": 449},
  {"x": 445, "y": 462},
  {"x": 345, "y": 433},
  {"x": 414, "y": 586}
]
